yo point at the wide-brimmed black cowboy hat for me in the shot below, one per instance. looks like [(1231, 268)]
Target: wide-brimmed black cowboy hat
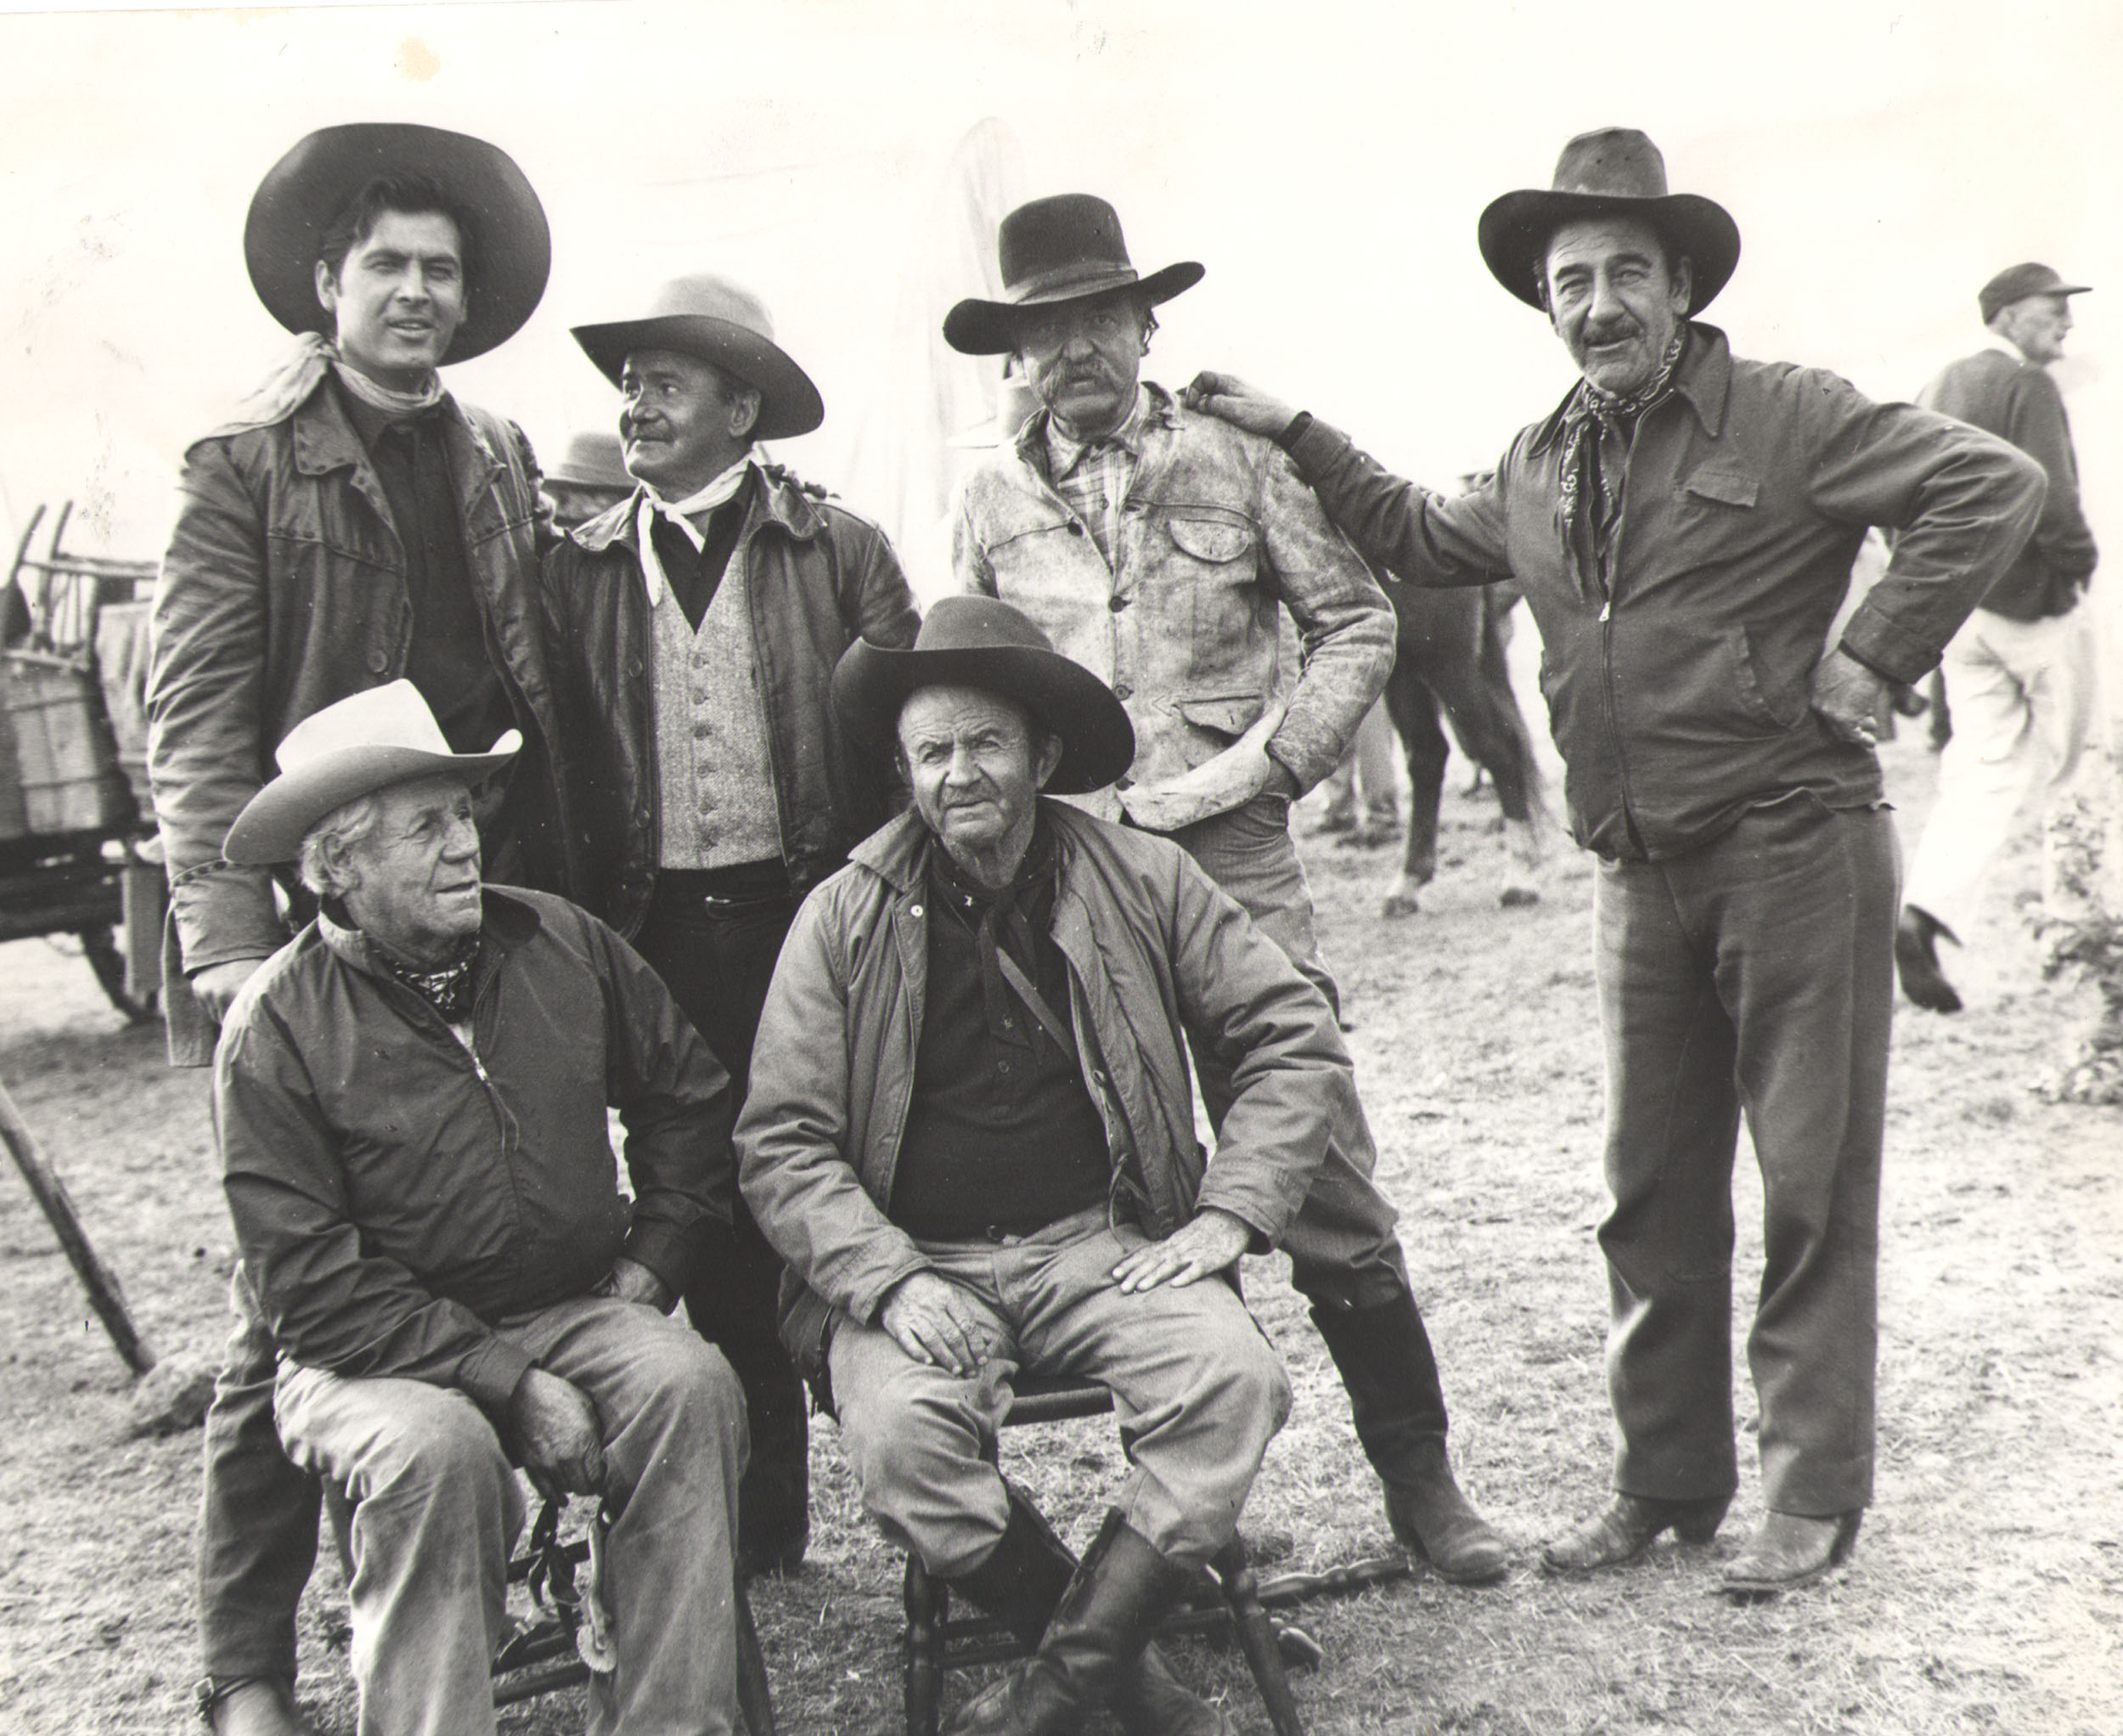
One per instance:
[(724, 324), (983, 642), (303, 194), (1061, 249), (1617, 172)]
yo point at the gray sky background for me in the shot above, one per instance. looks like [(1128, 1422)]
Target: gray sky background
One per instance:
[(1327, 160)]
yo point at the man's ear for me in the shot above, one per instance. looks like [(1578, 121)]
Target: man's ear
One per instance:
[(1050, 752), (1684, 284), (744, 413), (327, 288)]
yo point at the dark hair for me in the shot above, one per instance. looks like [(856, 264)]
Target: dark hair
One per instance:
[(410, 195)]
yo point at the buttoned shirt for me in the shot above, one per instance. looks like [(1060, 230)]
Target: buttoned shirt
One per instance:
[(1093, 475)]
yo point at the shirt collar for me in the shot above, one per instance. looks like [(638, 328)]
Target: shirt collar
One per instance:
[(2004, 345), (371, 421), (1703, 380), (1064, 455)]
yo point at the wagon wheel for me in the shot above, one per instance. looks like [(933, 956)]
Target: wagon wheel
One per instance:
[(100, 947)]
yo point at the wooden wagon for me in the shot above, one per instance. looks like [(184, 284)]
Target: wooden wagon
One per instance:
[(78, 850)]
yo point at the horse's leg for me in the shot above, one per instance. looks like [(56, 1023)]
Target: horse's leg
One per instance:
[(1478, 698), (1414, 709)]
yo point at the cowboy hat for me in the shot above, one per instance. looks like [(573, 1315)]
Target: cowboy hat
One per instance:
[(984, 643), (724, 324), (1061, 249), (509, 248), (593, 461), (1617, 172), (365, 742), (2017, 282)]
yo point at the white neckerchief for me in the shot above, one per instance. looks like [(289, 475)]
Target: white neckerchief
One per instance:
[(391, 402), (720, 490)]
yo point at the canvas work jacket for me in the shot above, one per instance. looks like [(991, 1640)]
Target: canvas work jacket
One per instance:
[(1218, 537), (2018, 401), (1151, 946), (1678, 677), (818, 577), (396, 1194), (284, 591)]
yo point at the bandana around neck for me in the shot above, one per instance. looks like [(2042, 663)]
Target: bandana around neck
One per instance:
[(1589, 415), (447, 989), (282, 392), (719, 491)]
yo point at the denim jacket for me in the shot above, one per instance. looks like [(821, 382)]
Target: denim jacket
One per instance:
[(1217, 531)]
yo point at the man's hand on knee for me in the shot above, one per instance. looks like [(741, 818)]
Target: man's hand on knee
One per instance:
[(629, 1281), (557, 1434), (930, 1318), (1199, 1248)]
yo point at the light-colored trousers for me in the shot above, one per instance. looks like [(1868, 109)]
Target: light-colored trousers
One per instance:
[(1196, 1390), (2021, 694), (1367, 768), (439, 1507)]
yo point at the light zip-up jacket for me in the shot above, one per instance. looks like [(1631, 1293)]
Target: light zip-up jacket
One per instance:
[(1152, 945)]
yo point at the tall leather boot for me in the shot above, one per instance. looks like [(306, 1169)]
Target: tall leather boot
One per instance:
[(1020, 1585), (1385, 1361), (1119, 1592)]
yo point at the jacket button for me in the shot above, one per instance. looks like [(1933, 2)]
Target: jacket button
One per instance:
[(914, 909), (1117, 604), (378, 662), (1121, 690), (1075, 529)]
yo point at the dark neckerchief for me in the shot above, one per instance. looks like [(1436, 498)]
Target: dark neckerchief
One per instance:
[(447, 989), (1000, 918), (1589, 415)]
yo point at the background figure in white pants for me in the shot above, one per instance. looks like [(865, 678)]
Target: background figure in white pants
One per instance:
[(2019, 675)]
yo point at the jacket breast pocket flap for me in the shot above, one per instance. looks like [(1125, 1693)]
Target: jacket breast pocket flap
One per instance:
[(1214, 539), (1229, 716), (1726, 488)]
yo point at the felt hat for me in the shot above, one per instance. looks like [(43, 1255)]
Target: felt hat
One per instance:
[(2017, 282), (592, 460), (362, 743), (1061, 249), (723, 322), (970, 641), (303, 194), (1617, 172)]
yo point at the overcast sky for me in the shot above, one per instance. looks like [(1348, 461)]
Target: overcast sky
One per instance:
[(1326, 161)]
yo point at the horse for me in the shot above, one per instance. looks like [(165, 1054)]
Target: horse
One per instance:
[(1449, 658)]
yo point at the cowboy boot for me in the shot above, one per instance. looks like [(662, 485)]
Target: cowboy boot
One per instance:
[(1119, 1592), (1627, 1526), (1790, 1550), (1020, 1585), (1384, 1357), (258, 1705)]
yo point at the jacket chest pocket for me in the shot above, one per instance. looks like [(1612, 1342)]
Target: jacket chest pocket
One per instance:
[(1209, 566), (1714, 514)]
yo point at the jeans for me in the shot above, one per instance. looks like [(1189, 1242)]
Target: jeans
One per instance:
[(437, 1506), (1753, 974), (1197, 1392)]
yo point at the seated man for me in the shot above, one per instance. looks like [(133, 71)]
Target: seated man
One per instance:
[(410, 1101), (971, 1134)]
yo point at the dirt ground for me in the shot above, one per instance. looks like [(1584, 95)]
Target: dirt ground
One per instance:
[(1986, 1593)]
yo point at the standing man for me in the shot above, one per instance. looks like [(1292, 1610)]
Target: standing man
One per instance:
[(694, 629), (1157, 548), (2019, 675), (354, 524), (1720, 762)]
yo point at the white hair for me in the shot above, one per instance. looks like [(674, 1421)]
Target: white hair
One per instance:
[(325, 844)]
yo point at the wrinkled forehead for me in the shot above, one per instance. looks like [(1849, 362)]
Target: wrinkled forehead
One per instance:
[(946, 711), (420, 800), (1589, 243)]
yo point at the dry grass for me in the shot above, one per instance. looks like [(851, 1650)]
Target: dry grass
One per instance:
[(1986, 1594)]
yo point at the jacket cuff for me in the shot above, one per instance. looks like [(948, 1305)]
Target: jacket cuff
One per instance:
[(864, 1304), (1315, 448), (1260, 1209), (222, 912), (490, 1375), (666, 1251), (1874, 639)]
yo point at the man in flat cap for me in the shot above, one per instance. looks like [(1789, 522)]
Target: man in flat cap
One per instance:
[(1683, 525), (409, 1100), (971, 1133), (693, 628), (354, 524), (2019, 675), (1159, 548)]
